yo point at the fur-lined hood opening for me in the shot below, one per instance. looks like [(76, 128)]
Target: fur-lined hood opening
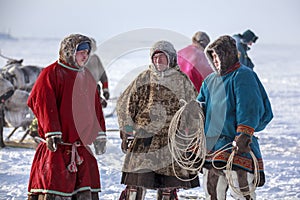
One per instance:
[(168, 49), (225, 48), (68, 48)]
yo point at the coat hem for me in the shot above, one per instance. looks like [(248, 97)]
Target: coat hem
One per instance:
[(46, 191)]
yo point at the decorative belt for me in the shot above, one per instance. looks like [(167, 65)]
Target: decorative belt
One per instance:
[(76, 159)]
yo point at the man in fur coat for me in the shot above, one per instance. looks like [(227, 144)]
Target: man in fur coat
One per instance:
[(145, 110), (67, 105), (236, 106)]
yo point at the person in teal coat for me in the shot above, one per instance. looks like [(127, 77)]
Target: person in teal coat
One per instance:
[(236, 105), (243, 43)]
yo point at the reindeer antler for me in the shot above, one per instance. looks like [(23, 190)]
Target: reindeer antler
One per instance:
[(10, 60)]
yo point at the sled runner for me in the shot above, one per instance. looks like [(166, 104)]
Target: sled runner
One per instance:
[(30, 144)]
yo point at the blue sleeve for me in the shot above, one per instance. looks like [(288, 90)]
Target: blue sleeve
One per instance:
[(249, 101), (268, 114)]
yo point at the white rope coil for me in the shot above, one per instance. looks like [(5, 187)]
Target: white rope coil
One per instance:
[(187, 147), (228, 171), (256, 180)]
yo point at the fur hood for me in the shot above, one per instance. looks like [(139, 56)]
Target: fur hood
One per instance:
[(68, 48), (225, 48), (93, 45), (168, 49)]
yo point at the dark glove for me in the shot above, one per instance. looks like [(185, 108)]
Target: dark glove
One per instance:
[(52, 142), (103, 102), (127, 139), (144, 136), (243, 142), (100, 144), (106, 93)]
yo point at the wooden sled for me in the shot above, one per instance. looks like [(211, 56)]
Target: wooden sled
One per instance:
[(22, 143), (29, 144)]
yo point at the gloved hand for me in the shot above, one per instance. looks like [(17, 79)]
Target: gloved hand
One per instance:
[(144, 136), (103, 102), (52, 142), (106, 93), (192, 110), (243, 142), (127, 139), (100, 144)]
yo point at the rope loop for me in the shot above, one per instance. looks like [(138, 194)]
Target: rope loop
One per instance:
[(230, 179), (187, 144)]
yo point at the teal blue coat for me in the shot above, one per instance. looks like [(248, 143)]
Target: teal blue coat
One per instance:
[(237, 98)]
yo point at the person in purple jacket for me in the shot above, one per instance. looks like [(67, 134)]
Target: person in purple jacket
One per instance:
[(192, 60)]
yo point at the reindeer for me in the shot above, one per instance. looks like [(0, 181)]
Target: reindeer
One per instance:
[(16, 81), (22, 77)]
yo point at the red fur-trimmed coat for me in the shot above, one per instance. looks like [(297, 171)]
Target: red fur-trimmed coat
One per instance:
[(64, 99)]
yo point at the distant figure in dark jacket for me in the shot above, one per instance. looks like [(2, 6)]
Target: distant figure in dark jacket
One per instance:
[(243, 41)]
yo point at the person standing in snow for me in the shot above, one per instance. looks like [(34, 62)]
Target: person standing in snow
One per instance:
[(67, 106), (236, 105), (95, 66), (145, 110), (243, 43), (192, 60)]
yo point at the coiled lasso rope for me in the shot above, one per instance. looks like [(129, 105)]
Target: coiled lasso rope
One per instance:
[(256, 180), (188, 149), (228, 168)]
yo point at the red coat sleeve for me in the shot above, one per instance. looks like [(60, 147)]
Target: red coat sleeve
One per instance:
[(42, 101)]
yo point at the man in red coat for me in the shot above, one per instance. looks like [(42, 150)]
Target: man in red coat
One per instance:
[(67, 105)]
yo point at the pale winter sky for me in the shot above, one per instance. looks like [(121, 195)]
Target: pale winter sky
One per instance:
[(273, 21)]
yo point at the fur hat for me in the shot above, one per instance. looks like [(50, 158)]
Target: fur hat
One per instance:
[(68, 48), (201, 38), (168, 49), (225, 48), (249, 36)]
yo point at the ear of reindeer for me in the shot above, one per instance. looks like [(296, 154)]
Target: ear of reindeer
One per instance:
[(13, 61)]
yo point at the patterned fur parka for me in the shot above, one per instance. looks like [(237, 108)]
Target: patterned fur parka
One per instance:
[(148, 106)]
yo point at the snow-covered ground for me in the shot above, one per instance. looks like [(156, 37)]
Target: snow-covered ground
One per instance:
[(277, 67)]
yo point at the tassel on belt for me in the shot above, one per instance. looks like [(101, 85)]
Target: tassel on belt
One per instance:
[(76, 159)]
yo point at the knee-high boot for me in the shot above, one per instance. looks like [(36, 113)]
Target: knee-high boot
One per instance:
[(167, 194), (133, 193)]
